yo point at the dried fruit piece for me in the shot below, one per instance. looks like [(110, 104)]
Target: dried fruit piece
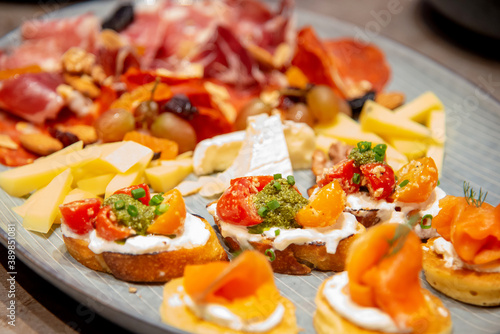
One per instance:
[(390, 100)]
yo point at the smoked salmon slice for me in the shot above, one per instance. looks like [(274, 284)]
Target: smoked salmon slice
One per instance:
[(223, 282), (473, 231), (383, 268)]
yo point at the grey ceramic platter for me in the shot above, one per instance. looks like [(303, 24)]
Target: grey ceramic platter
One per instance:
[(472, 153)]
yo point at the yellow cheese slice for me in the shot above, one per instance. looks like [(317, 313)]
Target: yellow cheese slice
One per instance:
[(68, 149), (419, 108), (323, 143), (43, 211), (23, 180), (436, 122), (412, 149), (120, 157), (133, 176), (169, 174), (347, 130), (384, 122), (97, 184)]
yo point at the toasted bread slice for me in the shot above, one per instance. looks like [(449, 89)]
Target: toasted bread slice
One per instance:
[(467, 286), (326, 320), (155, 267), (301, 259), (177, 314)]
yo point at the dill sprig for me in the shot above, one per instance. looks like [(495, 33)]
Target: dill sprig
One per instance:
[(398, 240), (470, 195)]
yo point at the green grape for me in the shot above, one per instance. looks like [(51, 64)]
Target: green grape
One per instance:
[(172, 127), (299, 112), (324, 104), (113, 124), (254, 107)]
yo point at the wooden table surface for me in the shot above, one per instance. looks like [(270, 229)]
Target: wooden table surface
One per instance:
[(42, 308)]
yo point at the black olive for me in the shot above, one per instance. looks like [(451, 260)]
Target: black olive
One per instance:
[(120, 19), (357, 104), (66, 138), (181, 106)]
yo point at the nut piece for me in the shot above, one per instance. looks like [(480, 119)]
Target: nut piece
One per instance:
[(390, 100), (85, 133), (83, 84), (319, 162), (77, 60), (40, 143), (7, 142)]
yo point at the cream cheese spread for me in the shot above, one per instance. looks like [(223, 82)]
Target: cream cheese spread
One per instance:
[(195, 234), (365, 317), (222, 316), (452, 259), (344, 227)]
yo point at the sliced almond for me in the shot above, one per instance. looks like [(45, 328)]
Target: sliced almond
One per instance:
[(40, 143), (7, 142), (390, 100)]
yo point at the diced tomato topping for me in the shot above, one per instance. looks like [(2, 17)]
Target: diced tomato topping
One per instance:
[(80, 215), (128, 191), (380, 179), (236, 205), (107, 227), (343, 172)]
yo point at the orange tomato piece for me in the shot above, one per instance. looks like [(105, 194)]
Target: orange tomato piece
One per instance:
[(420, 176), (385, 274), (171, 221), (168, 148), (324, 208), (223, 282)]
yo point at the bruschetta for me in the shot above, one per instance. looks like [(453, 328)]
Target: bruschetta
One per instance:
[(137, 237), (269, 214)]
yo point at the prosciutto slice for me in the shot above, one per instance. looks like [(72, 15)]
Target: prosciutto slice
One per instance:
[(45, 41), (32, 97)]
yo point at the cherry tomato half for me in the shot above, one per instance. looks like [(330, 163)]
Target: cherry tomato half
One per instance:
[(133, 189), (80, 215), (107, 227), (380, 179), (345, 173), (236, 205)]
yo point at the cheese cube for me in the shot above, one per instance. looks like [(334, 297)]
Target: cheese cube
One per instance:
[(412, 149), (301, 143), (384, 122), (43, 211), (218, 153), (323, 143), (169, 174), (23, 180), (418, 109)]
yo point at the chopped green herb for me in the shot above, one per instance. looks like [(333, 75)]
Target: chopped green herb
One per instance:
[(270, 253), (277, 185), (132, 210), (364, 146), (470, 195), (121, 242), (120, 205), (138, 193), (291, 180), (262, 211), (423, 223), (277, 176), (162, 208), (156, 199), (439, 183), (274, 204), (356, 178), (277, 232), (404, 183)]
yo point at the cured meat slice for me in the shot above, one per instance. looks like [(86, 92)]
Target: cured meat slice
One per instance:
[(47, 40), (32, 96), (225, 59)]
